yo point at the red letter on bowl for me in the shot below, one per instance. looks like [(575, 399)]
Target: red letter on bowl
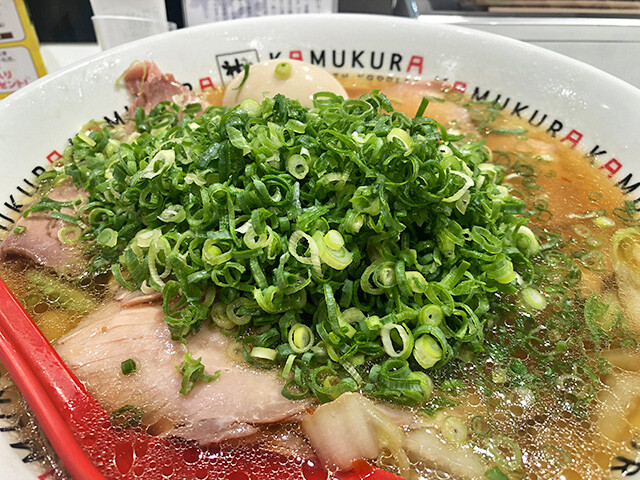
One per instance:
[(612, 166), (459, 86), (205, 82), (574, 137), (53, 156), (416, 61)]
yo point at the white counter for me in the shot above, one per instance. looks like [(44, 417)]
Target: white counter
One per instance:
[(610, 44)]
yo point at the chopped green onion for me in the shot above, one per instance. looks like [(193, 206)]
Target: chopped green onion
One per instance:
[(505, 452), (527, 242), (286, 370), (509, 131), (556, 456), (437, 404), (352, 315), (253, 240), (427, 351), (625, 245), (424, 103), (480, 426), (126, 416), (249, 105), (431, 315), (353, 221), (264, 353), (499, 375), (393, 380), (69, 234), (501, 270), (128, 366), (220, 318), (454, 430), (244, 78), (300, 338), (107, 238), (495, 474), (333, 240), (173, 213), (604, 222), (192, 371), (401, 135), (234, 351), (270, 299), (339, 258), (404, 337), (85, 138), (416, 282), (313, 258), (351, 370), (348, 245), (19, 229), (468, 183), (297, 166), (533, 298), (582, 230), (283, 70), (237, 306), (213, 255), (593, 242), (595, 196)]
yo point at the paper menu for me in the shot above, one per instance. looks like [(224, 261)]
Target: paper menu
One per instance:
[(197, 12), (20, 59), (10, 27)]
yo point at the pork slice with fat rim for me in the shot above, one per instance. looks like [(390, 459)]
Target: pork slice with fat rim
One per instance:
[(39, 242), (229, 407), (150, 86)]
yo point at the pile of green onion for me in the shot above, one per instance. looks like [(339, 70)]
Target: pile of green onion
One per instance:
[(348, 245)]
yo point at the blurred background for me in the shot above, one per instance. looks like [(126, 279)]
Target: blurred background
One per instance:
[(604, 33), (70, 20)]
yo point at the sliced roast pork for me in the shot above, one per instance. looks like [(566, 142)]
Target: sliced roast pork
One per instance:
[(39, 242), (229, 407), (149, 86)]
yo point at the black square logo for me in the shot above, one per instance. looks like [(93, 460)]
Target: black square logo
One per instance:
[(232, 64)]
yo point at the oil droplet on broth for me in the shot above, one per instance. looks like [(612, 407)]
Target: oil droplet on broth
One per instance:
[(313, 469), (191, 455)]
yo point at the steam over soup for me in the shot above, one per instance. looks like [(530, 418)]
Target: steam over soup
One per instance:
[(405, 276)]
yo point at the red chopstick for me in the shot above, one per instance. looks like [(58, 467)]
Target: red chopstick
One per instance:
[(38, 371)]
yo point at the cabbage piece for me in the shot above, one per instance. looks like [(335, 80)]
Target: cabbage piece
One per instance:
[(617, 404), (425, 446), (352, 428), (625, 253)]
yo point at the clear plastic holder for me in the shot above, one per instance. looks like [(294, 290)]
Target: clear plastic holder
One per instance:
[(149, 9), (114, 30)]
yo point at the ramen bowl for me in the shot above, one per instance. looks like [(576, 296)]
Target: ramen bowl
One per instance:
[(578, 105)]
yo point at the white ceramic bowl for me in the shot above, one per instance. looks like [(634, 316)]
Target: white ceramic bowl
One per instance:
[(577, 102)]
